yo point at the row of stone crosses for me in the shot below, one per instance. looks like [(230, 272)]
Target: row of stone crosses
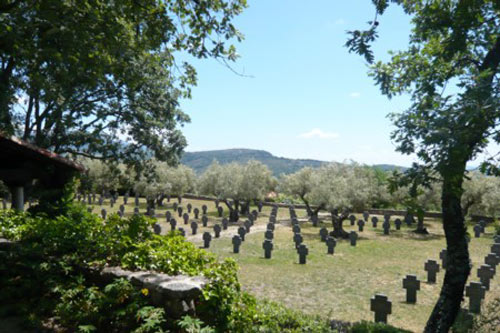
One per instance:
[(475, 291)]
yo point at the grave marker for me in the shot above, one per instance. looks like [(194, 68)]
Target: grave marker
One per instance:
[(267, 245), (220, 210), (492, 260), (173, 223), (217, 230), (431, 267), (477, 231), (204, 209), (103, 213), (297, 238), (182, 232), (207, 237), (374, 221), (168, 216), (361, 225), (352, 218), (331, 243), (382, 307), (353, 237), (136, 210), (296, 229), (224, 224), (194, 227), (366, 215), (387, 226), (196, 212), (270, 226), (398, 223), (185, 217), (323, 232), (485, 273), (242, 231), (204, 220), (303, 252), (236, 243), (179, 211), (314, 219), (259, 206), (495, 248), (475, 291), (189, 207), (269, 234), (411, 284), (157, 228)]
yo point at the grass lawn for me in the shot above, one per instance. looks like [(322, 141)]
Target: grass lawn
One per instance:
[(338, 286)]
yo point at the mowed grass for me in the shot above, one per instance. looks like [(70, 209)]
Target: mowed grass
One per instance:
[(339, 286)]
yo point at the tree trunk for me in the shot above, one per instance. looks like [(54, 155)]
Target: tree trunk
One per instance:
[(234, 215), (338, 229), (245, 207), (448, 305)]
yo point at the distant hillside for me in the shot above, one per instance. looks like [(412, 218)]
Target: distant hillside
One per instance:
[(199, 161)]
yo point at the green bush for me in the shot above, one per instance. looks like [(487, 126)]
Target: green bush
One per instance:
[(369, 327)]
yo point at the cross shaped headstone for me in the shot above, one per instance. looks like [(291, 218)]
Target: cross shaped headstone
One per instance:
[(477, 231), (296, 229), (361, 225), (387, 226), (270, 226), (168, 216), (366, 215), (179, 198), (207, 237), (475, 291), (443, 255), (431, 267), (353, 237), (189, 207), (269, 234), (204, 209), (217, 230), (196, 212), (267, 245), (297, 238), (303, 252), (175, 206), (224, 223), (323, 232), (411, 284), (236, 243), (157, 228), (103, 214), (382, 307), (331, 243), (387, 217), (259, 206), (398, 222), (185, 217), (352, 218), (492, 260), (173, 223), (194, 227), (314, 219), (179, 211), (247, 224), (182, 232), (409, 219), (495, 248), (374, 221), (204, 220), (136, 210), (485, 273), (220, 210), (242, 231)]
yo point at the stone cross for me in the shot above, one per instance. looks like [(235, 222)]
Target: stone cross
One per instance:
[(296, 229), (492, 260), (247, 224), (411, 284), (185, 217), (477, 231), (157, 228), (398, 223), (179, 211), (173, 223), (387, 226), (270, 226), (168, 216), (387, 217), (175, 206), (136, 200), (361, 225), (374, 221), (409, 219), (259, 206), (366, 215), (443, 255), (242, 231), (136, 210), (382, 307), (189, 207), (475, 291), (331, 243), (297, 238), (220, 210), (179, 198), (224, 224), (352, 218), (303, 252), (255, 214), (204, 209), (103, 214), (194, 227), (236, 243), (267, 245), (206, 239), (495, 248), (204, 220), (431, 267), (323, 232), (272, 218), (353, 237), (485, 273), (314, 219), (182, 232), (269, 234), (122, 209), (196, 212), (217, 230)]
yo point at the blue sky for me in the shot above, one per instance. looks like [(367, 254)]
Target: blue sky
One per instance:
[(308, 97)]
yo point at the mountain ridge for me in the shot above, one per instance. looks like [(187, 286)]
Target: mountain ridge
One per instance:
[(200, 160)]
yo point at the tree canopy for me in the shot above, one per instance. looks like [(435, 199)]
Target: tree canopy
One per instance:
[(82, 77)]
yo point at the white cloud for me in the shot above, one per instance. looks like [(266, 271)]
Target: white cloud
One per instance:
[(317, 133), (355, 94)]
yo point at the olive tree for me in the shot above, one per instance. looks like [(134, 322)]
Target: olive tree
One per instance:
[(99, 176), (481, 195), (300, 184), (236, 184)]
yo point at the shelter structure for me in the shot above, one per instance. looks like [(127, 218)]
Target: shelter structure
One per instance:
[(23, 165)]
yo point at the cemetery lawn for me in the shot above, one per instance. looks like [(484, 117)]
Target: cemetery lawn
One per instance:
[(340, 286)]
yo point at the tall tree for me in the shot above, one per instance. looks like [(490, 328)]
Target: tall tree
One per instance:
[(81, 77), (450, 69)]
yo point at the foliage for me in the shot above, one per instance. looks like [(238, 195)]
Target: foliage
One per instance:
[(80, 76), (481, 195), (193, 325), (369, 327), (99, 176)]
